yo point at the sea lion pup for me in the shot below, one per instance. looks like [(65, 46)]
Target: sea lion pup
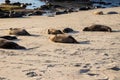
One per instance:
[(54, 31), (18, 31), (98, 13), (98, 27), (67, 30), (5, 44), (9, 37), (62, 38)]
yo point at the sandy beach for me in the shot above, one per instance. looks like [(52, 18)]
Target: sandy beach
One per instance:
[(92, 59)]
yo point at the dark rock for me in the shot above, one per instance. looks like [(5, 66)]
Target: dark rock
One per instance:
[(31, 74), (115, 68), (92, 74), (14, 14), (37, 13), (61, 12), (85, 8), (84, 70)]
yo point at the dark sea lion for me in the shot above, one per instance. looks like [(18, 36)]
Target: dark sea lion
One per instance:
[(5, 44), (67, 30), (9, 37), (112, 12), (18, 31), (61, 38), (54, 31), (98, 27)]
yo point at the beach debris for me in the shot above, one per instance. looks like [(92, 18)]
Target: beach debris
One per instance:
[(62, 38), (6, 44), (98, 27), (98, 13), (18, 31), (54, 31)]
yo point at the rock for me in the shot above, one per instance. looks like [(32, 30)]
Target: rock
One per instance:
[(84, 8), (115, 68), (98, 27), (37, 13), (84, 70), (31, 74), (4, 14), (14, 14)]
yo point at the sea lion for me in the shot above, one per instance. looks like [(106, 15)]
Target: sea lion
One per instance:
[(67, 30), (98, 13), (54, 31), (112, 12), (18, 31), (98, 27), (5, 44), (62, 38), (9, 37)]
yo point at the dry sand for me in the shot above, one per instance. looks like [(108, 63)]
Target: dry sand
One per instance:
[(92, 59)]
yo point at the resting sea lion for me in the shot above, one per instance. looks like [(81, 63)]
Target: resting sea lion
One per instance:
[(18, 31), (98, 13), (9, 37), (67, 30), (61, 38), (54, 31), (97, 27), (5, 44), (112, 12)]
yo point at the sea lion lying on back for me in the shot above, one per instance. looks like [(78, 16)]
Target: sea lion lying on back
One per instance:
[(62, 38), (18, 31), (5, 44), (54, 31), (97, 27)]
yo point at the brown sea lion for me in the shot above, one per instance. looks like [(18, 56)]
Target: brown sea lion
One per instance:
[(54, 31), (67, 30), (98, 13), (98, 27), (5, 44), (18, 31), (62, 38)]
